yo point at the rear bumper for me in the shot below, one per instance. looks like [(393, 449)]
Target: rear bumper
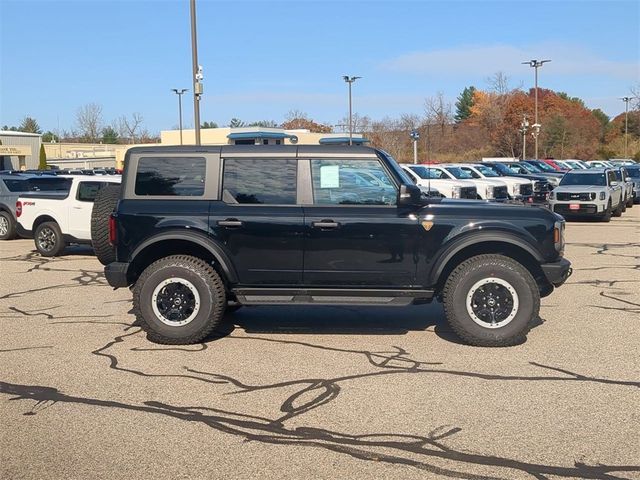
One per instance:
[(557, 272), (116, 274)]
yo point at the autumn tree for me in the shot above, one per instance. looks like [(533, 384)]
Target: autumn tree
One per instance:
[(296, 119)]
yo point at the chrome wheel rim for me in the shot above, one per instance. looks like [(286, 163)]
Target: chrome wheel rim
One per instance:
[(4, 226), (492, 302), (46, 239), (175, 302)]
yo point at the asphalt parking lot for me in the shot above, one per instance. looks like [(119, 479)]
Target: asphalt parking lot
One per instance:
[(295, 393)]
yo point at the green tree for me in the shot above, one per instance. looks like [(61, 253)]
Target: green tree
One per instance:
[(209, 125), (565, 96), (236, 123), (464, 104), (29, 125), (109, 135), (264, 124), (49, 137), (43, 159)]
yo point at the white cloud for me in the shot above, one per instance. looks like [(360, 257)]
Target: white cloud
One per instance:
[(485, 60)]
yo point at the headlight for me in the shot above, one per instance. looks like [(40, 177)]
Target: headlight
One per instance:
[(537, 186), (489, 191), (603, 195), (455, 193), (552, 195)]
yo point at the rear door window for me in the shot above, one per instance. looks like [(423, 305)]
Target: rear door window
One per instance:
[(171, 176), (87, 191), (260, 181)]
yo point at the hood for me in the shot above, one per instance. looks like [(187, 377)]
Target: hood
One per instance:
[(445, 182), (579, 188)]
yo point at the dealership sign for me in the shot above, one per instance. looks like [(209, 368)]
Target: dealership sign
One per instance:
[(19, 151)]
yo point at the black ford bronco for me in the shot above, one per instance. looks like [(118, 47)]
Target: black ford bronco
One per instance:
[(199, 229)]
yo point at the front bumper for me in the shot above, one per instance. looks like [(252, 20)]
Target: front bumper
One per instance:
[(588, 209), (557, 272), (116, 274)]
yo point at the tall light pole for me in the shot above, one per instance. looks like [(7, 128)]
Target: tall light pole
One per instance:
[(626, 101), (350, 80), (180, 92), (535, 64), (197, 72), (415, 136), (523, 128)]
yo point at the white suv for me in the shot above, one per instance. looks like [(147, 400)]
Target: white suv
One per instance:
[(437, 179), (56, 219)]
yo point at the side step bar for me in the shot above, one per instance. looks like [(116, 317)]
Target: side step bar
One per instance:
[(323, 296)]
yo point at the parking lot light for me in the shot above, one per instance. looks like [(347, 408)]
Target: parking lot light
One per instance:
[(535, 64), (350, 80)]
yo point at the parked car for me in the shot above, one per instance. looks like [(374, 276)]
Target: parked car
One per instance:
[(594, 193), (552, 177), (266, 226), (599, 164), (55, 219), (12, 186), (435, 179), (621, 162), (634, 174), (487, 188), (541, 186), (519, 189), (627, 186), (555, 165), (577, 164)]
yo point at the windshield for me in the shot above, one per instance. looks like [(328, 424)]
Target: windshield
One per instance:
[(499, 168), (634, 171), (424, 172), (543, 166), (486, 171), (458, 172), (618, 174), (531, 168), (599, 179)]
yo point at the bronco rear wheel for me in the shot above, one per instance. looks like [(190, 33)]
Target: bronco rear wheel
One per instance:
[(491, 301), (179, 300)]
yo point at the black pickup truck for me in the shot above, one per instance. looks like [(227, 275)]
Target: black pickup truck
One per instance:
[(199, 229)]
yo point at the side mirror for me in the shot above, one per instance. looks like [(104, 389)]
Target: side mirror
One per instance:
[(409, 195), (628, 179)]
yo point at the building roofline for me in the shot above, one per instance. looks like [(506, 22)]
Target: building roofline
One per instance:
[(11, 133)]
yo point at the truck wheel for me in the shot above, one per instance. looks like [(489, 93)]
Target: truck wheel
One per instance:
[(618, 211), (630, 202), (48, 239), (103, 206), (7, 226), (607, 213), (491, 301), (179, 300)]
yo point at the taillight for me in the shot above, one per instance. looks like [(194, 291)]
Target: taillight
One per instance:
[(18, 209), (113, 235)]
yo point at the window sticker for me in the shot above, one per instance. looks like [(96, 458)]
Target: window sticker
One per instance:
[(330, 176)]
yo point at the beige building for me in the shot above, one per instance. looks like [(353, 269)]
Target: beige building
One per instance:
[(257, 136)]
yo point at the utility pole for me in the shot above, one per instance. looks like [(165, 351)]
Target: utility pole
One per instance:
[(535, 64), (626, 101), (523, 128), (197, 72), (180, 92), (415, 136), (350, 80)]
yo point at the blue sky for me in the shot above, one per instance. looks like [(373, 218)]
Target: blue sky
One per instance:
[(262, 59)]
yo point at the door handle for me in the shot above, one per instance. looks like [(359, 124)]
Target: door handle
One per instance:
[(77, 208), (325, 224), (230, 223)]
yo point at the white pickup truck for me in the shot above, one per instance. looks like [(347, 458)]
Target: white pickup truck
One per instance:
[(55, 219)]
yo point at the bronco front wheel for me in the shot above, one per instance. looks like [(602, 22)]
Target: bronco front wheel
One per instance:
[(491, 301), (179, 300)]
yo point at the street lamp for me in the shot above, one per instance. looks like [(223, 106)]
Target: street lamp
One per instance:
[(536, 64), (626, 101), (180, 92), (415, 136), (197, 72), (523, 129), (350, 80)]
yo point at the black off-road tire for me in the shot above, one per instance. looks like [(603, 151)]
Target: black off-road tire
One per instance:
[(619, 209), (104, 204), (630, 202), (481, 267), (607, 213), (7, 222), (54, 245), (210, 289)]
